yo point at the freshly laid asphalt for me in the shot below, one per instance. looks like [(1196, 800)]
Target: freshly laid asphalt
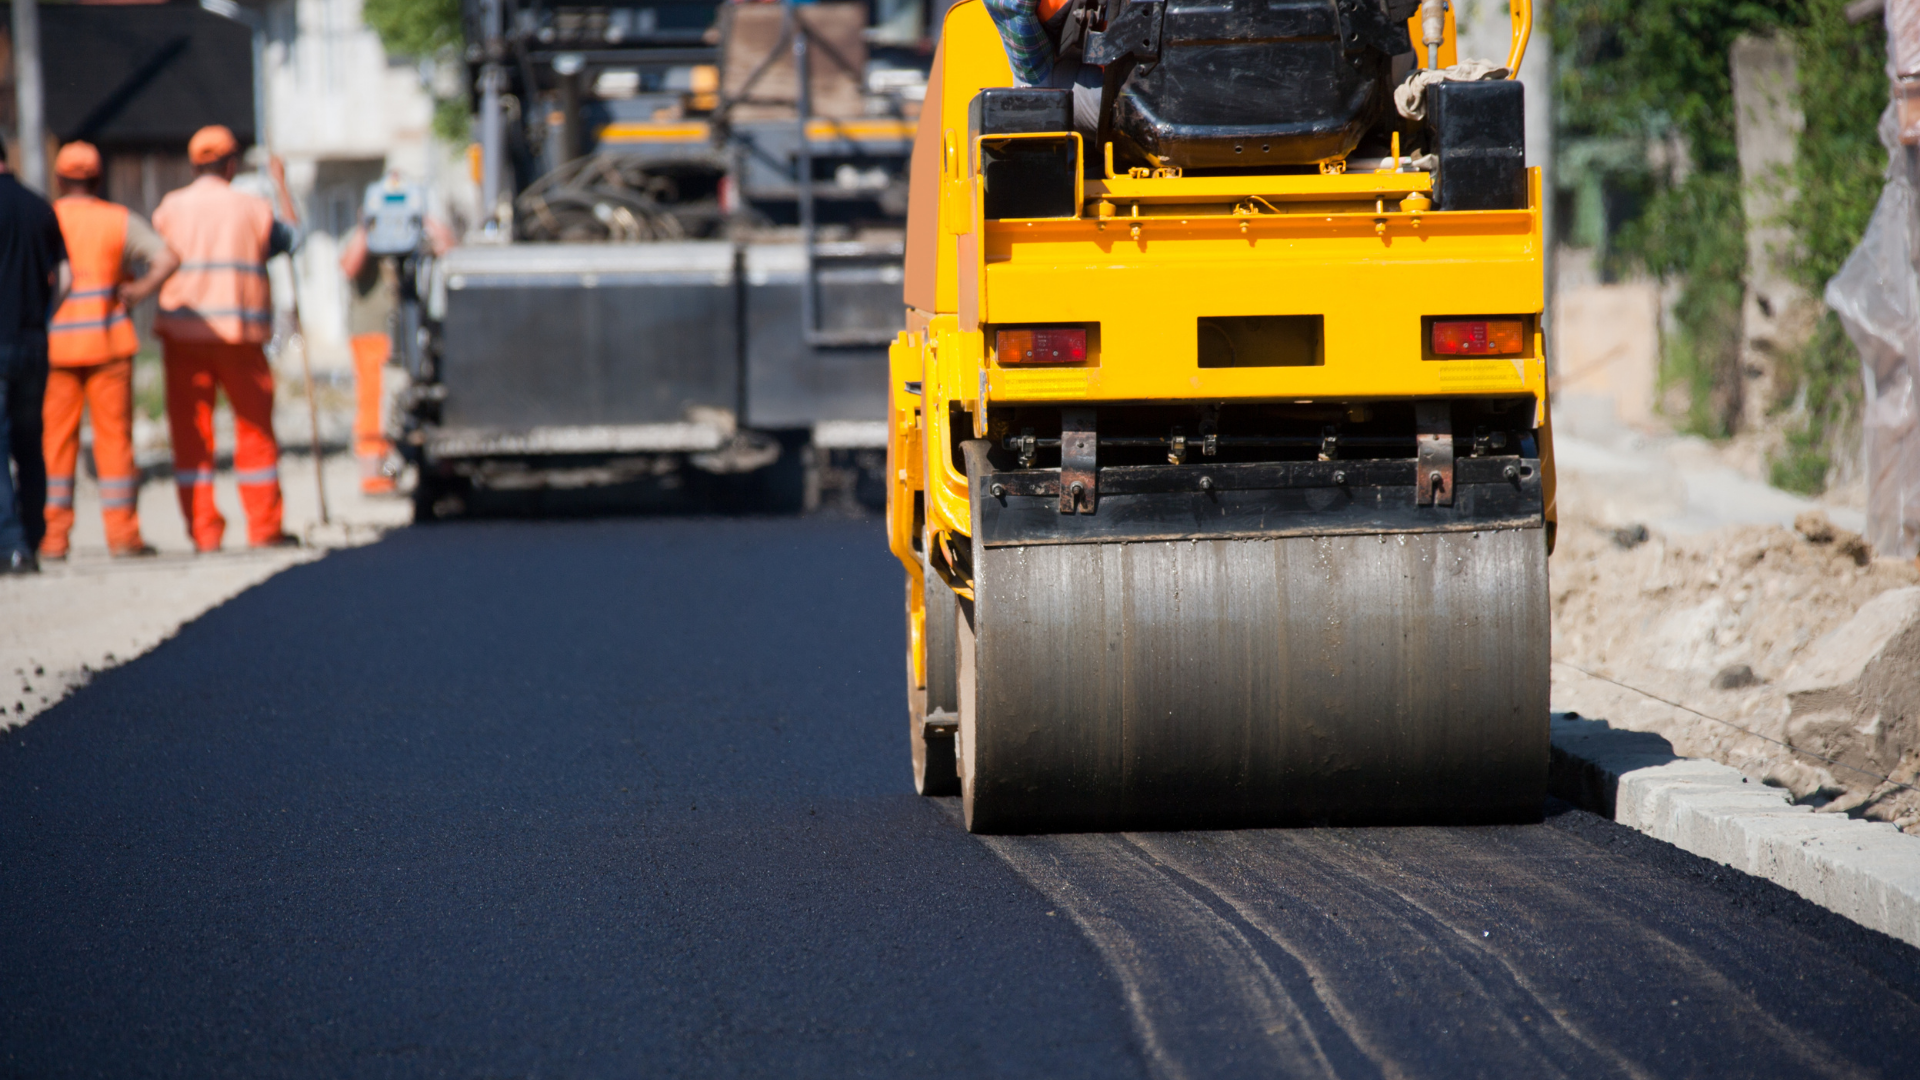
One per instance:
[(632, 798)]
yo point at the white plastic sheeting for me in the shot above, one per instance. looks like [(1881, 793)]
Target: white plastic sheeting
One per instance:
[(1877, 296)]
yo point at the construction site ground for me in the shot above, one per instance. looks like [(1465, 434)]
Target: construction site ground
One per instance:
[(1680, 575)]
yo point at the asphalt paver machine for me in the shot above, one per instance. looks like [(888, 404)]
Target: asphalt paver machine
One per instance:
[(691, 267), (1219, 455)]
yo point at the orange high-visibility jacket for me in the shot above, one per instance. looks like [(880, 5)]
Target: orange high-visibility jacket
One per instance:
[(220, 291), (92, 327)]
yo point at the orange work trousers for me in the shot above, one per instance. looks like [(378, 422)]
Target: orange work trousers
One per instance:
[(370, 446), (194, 370), (105, 391)]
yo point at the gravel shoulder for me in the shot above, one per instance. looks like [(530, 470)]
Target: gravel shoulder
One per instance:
[(79, 617)]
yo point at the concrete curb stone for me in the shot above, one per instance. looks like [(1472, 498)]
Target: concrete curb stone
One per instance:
[(1867, 871)]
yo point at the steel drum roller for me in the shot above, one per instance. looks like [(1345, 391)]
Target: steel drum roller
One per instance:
[(1190, 684)]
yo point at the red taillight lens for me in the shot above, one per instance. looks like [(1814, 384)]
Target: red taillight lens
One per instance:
[(1479, 337), (1040, 346)]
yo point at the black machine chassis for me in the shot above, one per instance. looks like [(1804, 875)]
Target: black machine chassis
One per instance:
[(1255, 500)]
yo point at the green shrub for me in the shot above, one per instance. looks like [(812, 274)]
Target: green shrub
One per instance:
[(1838, 171), (1656, 72)]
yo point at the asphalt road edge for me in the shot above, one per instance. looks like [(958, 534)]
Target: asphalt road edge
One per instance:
[(1866, 871)]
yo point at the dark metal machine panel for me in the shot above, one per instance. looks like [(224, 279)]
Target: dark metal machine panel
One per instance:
[(793, 384), (572, 335), (1303, 498), (846, 166)]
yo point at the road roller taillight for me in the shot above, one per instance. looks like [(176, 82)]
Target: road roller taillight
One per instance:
[(1479, 337), (1041, 345)]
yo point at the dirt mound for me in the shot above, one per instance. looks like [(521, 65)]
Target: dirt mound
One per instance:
[(1718, 622)]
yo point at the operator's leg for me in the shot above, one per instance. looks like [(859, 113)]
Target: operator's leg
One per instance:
[(190, 390), (110, 404), (248, 381), (60, 442)]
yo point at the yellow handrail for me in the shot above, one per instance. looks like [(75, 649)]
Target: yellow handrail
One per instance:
[(1522, 30)]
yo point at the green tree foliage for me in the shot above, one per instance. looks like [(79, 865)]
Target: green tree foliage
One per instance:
[(418, 28), (1840, 163), (1693, 231), (453, 120), (424, 29), (1655, 73), (1838, 171), (1648, 68)]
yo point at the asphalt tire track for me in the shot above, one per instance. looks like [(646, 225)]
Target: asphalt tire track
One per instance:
[(1269, 953), (1435, 891), (1153, 932)]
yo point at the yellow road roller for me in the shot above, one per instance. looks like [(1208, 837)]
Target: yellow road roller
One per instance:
[(1220, 459)]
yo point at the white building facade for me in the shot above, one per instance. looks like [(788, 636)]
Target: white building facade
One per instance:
[(341, 113)]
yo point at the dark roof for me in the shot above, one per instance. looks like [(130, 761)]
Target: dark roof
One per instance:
[(147, 74)]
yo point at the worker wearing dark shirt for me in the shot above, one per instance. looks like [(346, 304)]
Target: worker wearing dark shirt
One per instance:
[(33, 282)]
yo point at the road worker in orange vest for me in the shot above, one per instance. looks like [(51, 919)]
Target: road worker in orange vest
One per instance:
[(394, 216), (90, 344), (215, 315), (372, 297)]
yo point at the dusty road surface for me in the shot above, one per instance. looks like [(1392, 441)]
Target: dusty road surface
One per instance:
[(88, 612), (631, 798)]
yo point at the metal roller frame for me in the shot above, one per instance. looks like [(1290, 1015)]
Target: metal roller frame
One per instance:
[(1395, 674), (938, 718)]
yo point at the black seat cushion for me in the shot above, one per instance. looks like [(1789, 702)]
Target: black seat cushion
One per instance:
[(1249, 83)]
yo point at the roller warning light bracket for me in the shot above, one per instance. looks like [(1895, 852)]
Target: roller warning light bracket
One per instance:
[(1079, 461), (1433, 481)]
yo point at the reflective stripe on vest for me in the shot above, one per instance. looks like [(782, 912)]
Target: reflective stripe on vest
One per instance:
[(238, 267), (220, 291), (92, 326)]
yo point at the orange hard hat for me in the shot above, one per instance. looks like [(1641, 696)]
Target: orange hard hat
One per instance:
[(210, 144), (77, 161)]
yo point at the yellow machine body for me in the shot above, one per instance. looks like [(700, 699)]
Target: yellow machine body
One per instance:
[(1141, 261)]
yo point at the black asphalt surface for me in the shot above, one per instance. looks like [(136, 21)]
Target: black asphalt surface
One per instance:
[(632, 798)]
